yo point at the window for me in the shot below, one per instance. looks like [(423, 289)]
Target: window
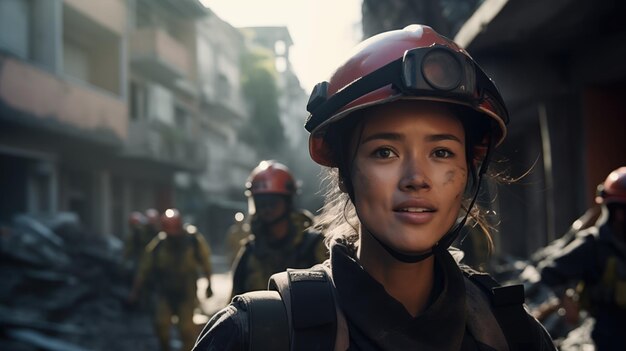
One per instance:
[(182, 119), (137, 101), (223, 87), (15, 28)]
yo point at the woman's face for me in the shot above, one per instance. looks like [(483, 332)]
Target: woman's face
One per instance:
[(409, 173)]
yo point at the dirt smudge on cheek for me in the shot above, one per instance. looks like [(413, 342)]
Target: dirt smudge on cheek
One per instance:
[(451, 177)]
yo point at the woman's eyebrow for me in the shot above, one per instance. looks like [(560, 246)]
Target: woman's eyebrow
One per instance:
[(383, 136), (440, 137)]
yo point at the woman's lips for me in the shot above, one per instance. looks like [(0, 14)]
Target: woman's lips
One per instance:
[(414, 211), (414, 217)]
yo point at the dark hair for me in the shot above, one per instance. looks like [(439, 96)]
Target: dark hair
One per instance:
[(339, 221)]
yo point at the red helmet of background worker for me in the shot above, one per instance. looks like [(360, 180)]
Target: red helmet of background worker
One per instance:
[(153, 217), (269, 178), (613, 190), (136, 219), (171, 222)]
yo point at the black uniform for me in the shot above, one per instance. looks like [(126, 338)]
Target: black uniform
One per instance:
[(458, 318)]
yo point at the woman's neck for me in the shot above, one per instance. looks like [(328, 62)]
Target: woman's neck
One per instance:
[(409, 283)]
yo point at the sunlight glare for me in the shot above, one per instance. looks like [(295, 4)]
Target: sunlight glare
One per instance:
[(323, 31)]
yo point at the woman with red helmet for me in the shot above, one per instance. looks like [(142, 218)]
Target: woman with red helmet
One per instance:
[(595, 264), (405, 127)]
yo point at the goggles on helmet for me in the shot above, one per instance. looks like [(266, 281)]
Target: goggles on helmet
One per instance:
[(435, 71), (268, 200)]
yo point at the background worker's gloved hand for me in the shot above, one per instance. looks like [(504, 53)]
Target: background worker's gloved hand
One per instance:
[(209, 291)]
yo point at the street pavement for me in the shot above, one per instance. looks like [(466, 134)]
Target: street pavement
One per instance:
[(221, 283)]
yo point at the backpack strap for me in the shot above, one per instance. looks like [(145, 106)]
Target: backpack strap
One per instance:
[(310, 304), (267, 320), (508, 309), (306, 301)]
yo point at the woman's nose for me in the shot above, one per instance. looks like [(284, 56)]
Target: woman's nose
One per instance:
[(413, 177)]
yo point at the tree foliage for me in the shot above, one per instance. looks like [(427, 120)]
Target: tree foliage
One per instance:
[(264, 131)]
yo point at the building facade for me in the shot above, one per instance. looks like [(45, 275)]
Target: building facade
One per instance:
[(63, 110), (110, 107), (224, 112), (560, 70), (292, 102)]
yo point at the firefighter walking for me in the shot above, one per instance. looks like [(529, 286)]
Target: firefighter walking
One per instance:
[(171, 263), (278, 235)]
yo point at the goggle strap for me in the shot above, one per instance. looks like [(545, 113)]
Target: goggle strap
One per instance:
[(481, 171), (388, 74)]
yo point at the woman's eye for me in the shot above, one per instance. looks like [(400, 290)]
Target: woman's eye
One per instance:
[(442, 153), (383, 153)]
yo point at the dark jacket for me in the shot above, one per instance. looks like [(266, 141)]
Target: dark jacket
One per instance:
[(458, 318), (258, 260)]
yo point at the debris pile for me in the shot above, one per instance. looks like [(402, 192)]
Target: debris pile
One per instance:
[(64, 289), (544, 304)]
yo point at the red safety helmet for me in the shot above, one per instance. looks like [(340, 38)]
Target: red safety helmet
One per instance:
[(270, 177), (412, 63), (153, 217), (136, 219), (613, 190), (171, 222)]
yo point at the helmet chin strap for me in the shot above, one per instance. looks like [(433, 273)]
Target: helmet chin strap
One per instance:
[(450, 236)]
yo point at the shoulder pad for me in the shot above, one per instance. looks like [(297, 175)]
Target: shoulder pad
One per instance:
[(269, 326), (302, 218)]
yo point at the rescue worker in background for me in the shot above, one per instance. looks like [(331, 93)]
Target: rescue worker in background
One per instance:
[(172, 261), (596, 262), (137, 239), (278, 236), (153, 222)]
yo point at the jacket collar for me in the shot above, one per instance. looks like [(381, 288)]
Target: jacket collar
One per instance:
[(378, 320)]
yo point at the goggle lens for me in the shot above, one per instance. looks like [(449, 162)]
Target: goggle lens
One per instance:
[(441, 70), (267, 200)]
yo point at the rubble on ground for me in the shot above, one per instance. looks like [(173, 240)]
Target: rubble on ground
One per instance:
[(64, 289)]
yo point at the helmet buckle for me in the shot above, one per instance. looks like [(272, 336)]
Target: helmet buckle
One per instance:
[(318, 96)]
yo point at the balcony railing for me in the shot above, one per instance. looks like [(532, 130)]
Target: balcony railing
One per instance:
[(39, 95), (156, 54)]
